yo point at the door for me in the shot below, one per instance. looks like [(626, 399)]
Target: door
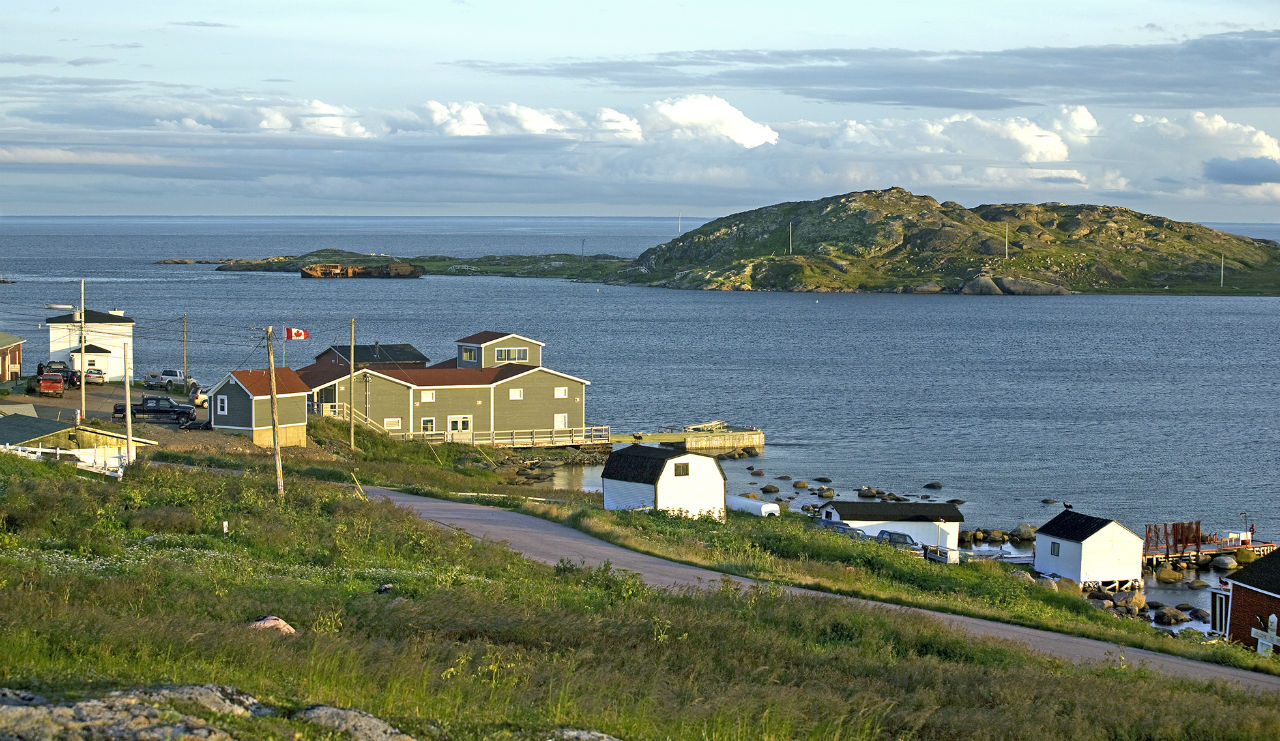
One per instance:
[(460, 429), (561, 422)]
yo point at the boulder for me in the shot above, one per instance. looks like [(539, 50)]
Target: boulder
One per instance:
[(751, 495), (1186, 607), (1022, 576), (271, 622), (1170, 616), (866, 493), (1244, 556), (1048, 501), (1130, 598), (1047, 583), (827, 494), (799, 485), (966, 537), (1024, 531), (784, 478), (1101, 604), (1155, 605), (933, 485), (996, 536), (822, 479), (1198, 584), (982, 285), (1224, 562), (757, 473), (1026, 287), (1166, 575), (769, 489), (956, 502), (751, 451), (1069, 586), (1198, 613), (356, 724)]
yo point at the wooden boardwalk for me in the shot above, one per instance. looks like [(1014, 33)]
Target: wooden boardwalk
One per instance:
[(1191, 555), (708, 436)]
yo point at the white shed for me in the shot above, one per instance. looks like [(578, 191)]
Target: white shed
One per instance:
[(1097, 553), (675, 481), (931, 523)]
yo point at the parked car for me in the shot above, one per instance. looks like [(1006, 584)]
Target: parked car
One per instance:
[(95, 375), (899, 540), (199, 396), (70, 378), (50, 384)]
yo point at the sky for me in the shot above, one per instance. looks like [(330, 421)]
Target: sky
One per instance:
[(562, 107)]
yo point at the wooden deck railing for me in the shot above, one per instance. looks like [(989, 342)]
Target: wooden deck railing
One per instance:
[(534, 438)]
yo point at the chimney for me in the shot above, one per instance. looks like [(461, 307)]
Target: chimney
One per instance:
[(116, 312)]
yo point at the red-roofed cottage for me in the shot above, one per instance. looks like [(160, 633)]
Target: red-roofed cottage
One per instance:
[(495, 392), (242, 401)]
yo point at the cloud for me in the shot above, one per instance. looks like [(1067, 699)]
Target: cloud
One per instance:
[(201, 24), (89, 61), (26, 59), (1221, 70), (128, 45), (57, 156), (704, 117), (1245, 171)]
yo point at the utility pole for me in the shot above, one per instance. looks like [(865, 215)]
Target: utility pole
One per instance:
[(351, 385), (275, 412), (789, 242), (185, 375), (83, 409), (128, 408), (1006, 241), (284, 343), (1222, 270)]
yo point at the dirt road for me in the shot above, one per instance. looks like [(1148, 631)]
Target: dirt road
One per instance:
[(549, 542)]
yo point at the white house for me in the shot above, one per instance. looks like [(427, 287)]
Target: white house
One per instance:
[(1097, 553), (933, 523), (105, 334), (675, 481)]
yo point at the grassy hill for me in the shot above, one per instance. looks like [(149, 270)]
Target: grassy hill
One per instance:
[(133, 584), (893, 240)]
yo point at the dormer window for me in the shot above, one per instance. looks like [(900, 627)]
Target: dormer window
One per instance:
[(467, 354), (512, 354)]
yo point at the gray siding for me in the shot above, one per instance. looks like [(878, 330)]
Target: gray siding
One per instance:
[(537, 410), (385, 399), (453, 402), (239, 410)]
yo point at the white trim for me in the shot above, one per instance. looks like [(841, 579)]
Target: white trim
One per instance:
[(515, 394), (1235, 584), (220, 404), (556, 393), (503, 337), (508, 350), (544, 368), (264, 427), (423, 396)]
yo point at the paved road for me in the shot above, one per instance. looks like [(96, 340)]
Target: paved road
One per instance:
[(548, 542)]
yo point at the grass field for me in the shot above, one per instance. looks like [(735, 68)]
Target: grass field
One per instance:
[(111, 585)]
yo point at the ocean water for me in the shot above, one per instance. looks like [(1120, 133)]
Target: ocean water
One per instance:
[(1145, 409)]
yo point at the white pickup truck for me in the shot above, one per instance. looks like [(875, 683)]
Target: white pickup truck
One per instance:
[(169, 380)]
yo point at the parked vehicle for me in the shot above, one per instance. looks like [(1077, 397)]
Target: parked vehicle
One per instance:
[(158, 408), (70, 378), (168, 379), (899, 540), (50, 384), (199, 396), (95, 375)]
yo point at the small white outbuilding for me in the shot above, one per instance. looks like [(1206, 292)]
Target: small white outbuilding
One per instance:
[(751, 506), (1097, 553), (928, 523), (675, 481)]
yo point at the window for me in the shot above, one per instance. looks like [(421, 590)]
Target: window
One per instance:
[(1054, 547), (91, 363), (427, 396), (513, 354), (516, 394), (467, 354), (682, 469), (561, 422), (428, 424), (222, 405), (562, 392), (390, 423)]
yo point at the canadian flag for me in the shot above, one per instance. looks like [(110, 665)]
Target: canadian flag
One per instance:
[(295, 334)]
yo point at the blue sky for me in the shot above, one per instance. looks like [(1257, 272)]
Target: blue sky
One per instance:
[(560, 107)]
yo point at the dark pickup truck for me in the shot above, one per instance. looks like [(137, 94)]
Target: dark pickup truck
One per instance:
[(70, 377), (158, 408)]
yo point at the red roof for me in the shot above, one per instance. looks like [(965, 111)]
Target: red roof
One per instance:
[(436, 376), (258, 383)]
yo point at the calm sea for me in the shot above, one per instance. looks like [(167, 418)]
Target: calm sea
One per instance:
[(1144, 408)]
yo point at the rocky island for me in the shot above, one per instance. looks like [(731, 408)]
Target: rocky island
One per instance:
[(895, 241)]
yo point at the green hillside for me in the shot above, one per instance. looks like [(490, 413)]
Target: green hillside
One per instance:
[(894, 240)]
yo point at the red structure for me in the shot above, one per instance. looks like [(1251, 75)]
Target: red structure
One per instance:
[(1253, 604)]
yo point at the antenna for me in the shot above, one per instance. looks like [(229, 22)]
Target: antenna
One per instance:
[(1006, 241)]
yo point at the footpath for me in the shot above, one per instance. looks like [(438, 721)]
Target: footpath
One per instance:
[(549, 542)]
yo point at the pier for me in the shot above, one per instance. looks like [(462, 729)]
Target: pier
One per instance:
[(1183, 543), (714, 435)]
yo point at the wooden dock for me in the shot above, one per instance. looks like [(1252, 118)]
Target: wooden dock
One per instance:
[(706, 436), (1207, 551)]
